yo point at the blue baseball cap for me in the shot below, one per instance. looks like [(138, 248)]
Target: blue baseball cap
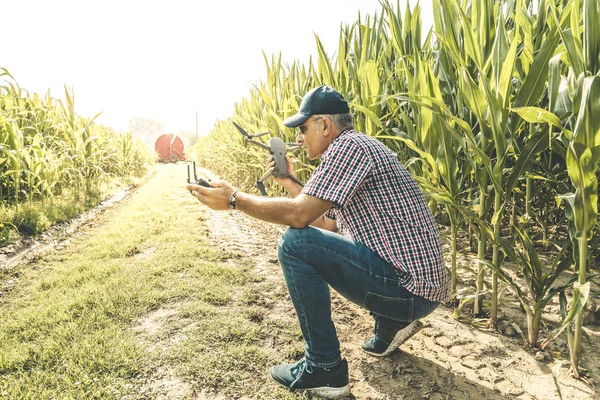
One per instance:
[(321, 100)]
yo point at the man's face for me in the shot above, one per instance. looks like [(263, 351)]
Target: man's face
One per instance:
[(312, 137)]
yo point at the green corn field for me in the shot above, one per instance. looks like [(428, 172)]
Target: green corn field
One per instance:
[(47, 152), (495, 111)]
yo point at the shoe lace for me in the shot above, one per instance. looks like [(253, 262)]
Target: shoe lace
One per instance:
[(299, 369)]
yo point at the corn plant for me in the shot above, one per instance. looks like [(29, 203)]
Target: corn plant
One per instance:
[(584, 148), (46, 150), (542, 281), (485, 75)]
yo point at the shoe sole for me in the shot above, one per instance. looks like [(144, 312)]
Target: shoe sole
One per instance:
[(401, 336), (326, 392)]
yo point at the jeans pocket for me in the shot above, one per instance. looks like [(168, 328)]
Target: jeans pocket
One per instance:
[(400, 309)]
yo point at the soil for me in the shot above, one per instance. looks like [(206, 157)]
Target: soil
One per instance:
[(448, 359)]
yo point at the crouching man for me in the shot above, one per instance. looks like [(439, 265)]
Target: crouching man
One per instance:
[(386, 257)]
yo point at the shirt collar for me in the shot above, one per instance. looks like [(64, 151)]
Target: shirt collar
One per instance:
[(326, 152)]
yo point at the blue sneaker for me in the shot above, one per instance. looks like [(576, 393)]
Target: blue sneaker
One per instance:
[(328, 383)]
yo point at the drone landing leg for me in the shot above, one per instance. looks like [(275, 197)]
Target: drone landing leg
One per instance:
[(260, 183)]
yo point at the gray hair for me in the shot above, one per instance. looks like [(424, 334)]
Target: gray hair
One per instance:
[(342, 121)]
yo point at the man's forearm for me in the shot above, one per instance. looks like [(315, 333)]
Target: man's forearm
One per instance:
[(279, 210), (293, 189)]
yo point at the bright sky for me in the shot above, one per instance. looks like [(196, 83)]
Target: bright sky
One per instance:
[(164, 60)]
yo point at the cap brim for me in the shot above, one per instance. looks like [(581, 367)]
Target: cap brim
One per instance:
[(296, 120)]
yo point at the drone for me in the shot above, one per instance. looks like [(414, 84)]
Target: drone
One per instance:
[(278, 149)]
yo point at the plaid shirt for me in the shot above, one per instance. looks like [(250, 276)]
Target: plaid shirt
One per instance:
[(378, 203)]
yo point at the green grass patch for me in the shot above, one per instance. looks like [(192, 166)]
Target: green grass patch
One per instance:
[(32, 218)]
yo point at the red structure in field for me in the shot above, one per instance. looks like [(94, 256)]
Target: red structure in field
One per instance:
[(169, 148)]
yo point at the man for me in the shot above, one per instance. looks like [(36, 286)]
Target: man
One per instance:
[(387, 259)]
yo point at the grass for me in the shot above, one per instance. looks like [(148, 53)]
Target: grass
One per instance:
[(71, 323), (34, 218)]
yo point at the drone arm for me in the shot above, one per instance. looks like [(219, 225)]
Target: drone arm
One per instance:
[(295, 180), (258, 134), (261, 187), (264, 146), (265, 176)]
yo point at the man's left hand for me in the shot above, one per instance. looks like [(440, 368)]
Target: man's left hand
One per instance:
[(215, 197)]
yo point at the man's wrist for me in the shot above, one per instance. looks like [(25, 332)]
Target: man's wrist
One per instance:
[(233, 200)]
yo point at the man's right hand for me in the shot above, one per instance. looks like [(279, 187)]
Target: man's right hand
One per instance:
[(292, 187)]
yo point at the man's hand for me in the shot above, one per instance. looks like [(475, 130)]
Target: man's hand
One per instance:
[(215, 197), (292, 187)]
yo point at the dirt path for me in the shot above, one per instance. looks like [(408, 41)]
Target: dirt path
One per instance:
[(447, 360)]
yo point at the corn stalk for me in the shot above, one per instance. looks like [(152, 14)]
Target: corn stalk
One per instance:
[(541, 280), (583, 152)]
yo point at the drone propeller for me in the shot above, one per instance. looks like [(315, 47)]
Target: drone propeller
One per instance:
[(246, 134), (239, 128)]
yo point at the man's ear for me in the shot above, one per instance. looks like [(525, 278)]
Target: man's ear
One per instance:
[(326, 124)]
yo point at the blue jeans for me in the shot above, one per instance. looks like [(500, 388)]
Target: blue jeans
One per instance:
[(313, 259)]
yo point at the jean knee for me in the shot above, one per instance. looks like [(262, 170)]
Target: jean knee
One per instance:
[(284, 247), (288, 237), (289, 241), (295, 251)]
